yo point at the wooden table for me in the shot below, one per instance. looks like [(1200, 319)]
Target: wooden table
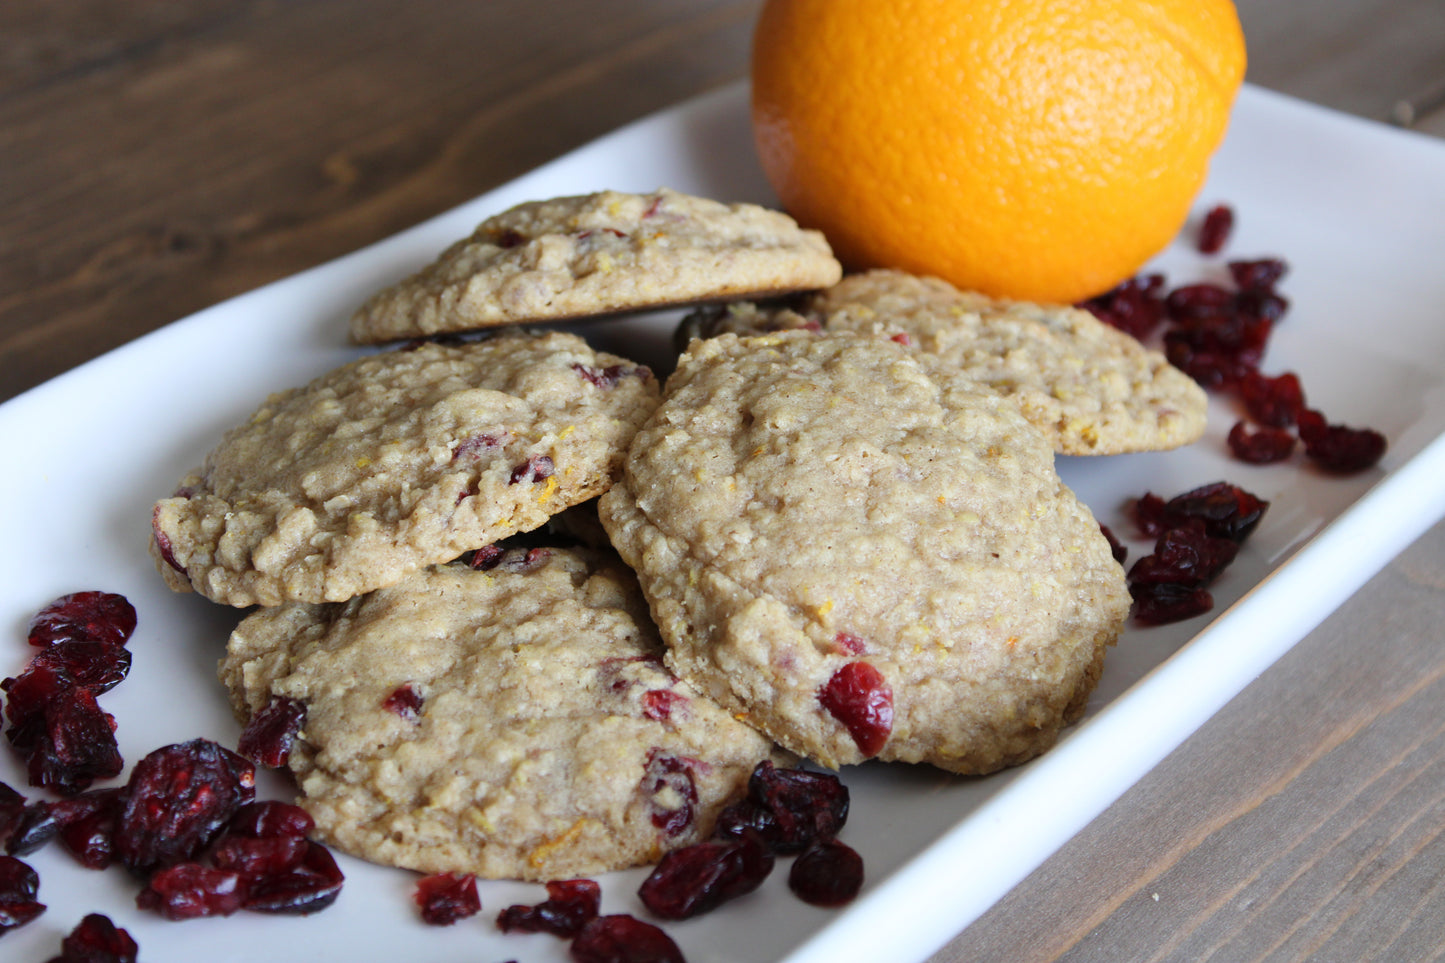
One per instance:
[(157, 157)]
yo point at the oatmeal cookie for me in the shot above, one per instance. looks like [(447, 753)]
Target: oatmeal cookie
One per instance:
[(596, 254), (1093, 389), (516, 723), (396, 461), (865, 552)]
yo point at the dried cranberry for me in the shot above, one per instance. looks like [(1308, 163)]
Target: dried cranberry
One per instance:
[(623, 939), (163, 542), (789, 808), (188, 891), (179, 798), (860, 698), (12, 806), (1185, 555), (534, 469), (1116, 547), (263, 820), (96, 939), (259, 855), (828, 873), (84, 617), (1337, 448), (1135, 306), (695, 879), (70, 745), (1158, 603), (486, 558), (19, 887), (1215, 230), (405, 701), (1200, 302), (845, 643), (1260, 446), (310, 886), (1227, 511), (659, 704), (570, 905), (268, 737), (98, 666), (473, 446), (87, 825), (444, 898), (609, 376), (34, 827), (1273, 401), (1258, 275), (668, 783), (1218, 353)]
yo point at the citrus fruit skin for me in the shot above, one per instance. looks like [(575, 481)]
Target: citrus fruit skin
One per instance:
[(1035, 149)]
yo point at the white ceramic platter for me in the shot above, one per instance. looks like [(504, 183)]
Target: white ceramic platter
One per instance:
[(1358, 210)]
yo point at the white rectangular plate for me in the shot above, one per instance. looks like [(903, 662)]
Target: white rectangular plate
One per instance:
[(1355, 208)]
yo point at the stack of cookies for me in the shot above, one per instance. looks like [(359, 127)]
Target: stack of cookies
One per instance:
[(836, 532)]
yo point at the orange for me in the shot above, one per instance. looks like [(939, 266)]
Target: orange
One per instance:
[(1036, 149)]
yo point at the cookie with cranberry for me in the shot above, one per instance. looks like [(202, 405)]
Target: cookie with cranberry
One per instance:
[(516, 722), (396, 461), (596, 254), (1092, 388), (865, 552)]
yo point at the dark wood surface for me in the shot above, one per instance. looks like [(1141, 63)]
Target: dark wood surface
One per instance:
[(157, 157)]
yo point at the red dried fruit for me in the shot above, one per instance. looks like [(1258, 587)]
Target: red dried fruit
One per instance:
[(1185, 555), (846, 643), (1200, 302), (1220, 352), (570, 905), (486, 558), (12, 806), (96, 939), (668, 783), (264, 820), (609, 376), (1337, 448), (19, 888), (509, 237), (1257, 275), (69, 744), (163, 542), (84, 617), (179, 799), (698, 878), (860, 698), (87, 824), (444, 898), (187, 891), (1260, 446), (1160, 603), (1227, 511), (405, 701), (309, 887), (1273, 401), (623, 939), (1116, 547), (268, 737), (1135, 306), (789, 808), (474, 446), (659, 704), (98, 666), (259, 855), (534, 469), (828, 873), (1214, 232)]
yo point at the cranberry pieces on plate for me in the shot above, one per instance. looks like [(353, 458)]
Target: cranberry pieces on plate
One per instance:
[(444, 898), (569, 906)]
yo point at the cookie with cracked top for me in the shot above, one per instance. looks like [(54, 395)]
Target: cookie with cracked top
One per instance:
[(599, 254)]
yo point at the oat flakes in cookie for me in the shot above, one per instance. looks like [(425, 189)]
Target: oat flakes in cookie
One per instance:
[(396, 461), (596, 254), (513, 723), (865, 552), (1093, 389)]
